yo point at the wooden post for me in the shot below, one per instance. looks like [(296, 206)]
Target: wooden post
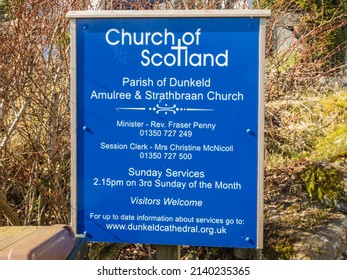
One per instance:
[(168, 252)]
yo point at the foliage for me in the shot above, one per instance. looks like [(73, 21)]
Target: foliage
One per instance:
[(323, 183), (3, 15), (281, 249), (34, 111), (305, 42), (314, 126), (320, 14), (333, 145)]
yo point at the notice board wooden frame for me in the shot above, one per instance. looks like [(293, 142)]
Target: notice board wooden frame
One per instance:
[(261, 14)]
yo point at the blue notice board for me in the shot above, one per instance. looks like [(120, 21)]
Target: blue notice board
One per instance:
[(168, 130)]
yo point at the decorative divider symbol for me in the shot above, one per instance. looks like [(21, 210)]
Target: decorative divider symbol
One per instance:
[(165, 109)]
